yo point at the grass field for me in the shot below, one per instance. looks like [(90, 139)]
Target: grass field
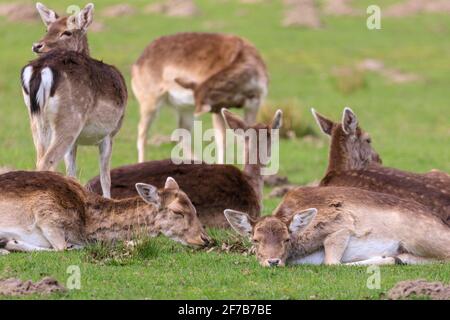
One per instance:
[(409, 124)]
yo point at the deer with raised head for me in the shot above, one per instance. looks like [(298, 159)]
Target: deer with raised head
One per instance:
[(354, 163), (72, 99), (198, 73), (337, 225), (212, 188), (46, 211)]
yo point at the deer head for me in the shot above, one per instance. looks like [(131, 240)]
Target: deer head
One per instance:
[(272, 236), (256, 136), (67, 33), (176, 217), (351, 147)]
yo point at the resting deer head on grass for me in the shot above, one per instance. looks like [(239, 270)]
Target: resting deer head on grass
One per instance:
[(270, 235), (351, 147)]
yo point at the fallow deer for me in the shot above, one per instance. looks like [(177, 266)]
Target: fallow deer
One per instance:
[(72, 99), (201, 71), (345, 226), (212, 188), (354, 163), (46, 211)]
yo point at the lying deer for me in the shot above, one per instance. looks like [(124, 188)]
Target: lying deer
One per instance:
[(354, 163), (345, 226), (72, 99), (46, 211), (212, 188), (205, 70)]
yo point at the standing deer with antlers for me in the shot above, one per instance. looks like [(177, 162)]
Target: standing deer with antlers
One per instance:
[(208, 71), (72, 99), (354, 163)]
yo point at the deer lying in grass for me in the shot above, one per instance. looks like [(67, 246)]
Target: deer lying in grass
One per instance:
[(46, 211), (345, 226), (211, 188), (205, 70), (354, 163), (72, 99)]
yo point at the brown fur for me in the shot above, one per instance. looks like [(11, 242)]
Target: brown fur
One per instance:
[(211, 188), (345, 215), (59, 205), (219, 70), (354, 163), (72, 99)]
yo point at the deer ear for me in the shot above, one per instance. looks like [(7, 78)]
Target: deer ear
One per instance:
[(85, 17), (324, 124), (233, 121), (240, 222), (301, 220), (277, 120), (149, 193), (171, 184), (48, 16), (349, 121)]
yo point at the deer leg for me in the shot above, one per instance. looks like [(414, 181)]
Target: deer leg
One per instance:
[(38, 140), (219, 133), (335, 245), (63, 137), (149, 107), (55, 236), (70, 161), (379, 261), (105, 149), (16, 245), (185, 121), (251, 110), (407, 258)]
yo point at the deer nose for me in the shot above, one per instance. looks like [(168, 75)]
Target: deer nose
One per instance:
[(37, 47), (273, 262)]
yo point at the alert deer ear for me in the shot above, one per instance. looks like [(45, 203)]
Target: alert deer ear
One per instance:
[(233, 121), (324, 124), (240, 222), (277, 121), (149, 193), (301, 220), (349, 121), (48, 16), (85, 17), (171, 184)]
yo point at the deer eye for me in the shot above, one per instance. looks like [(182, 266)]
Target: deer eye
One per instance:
[(287, 240), (369, 140), (178, 213), (255, 240), (66, 33)]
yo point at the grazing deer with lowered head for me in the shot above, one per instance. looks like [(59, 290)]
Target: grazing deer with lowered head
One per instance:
[(72, 99), (201, 71), (46, 211), (212, 188), (345, 226), (354, 163)]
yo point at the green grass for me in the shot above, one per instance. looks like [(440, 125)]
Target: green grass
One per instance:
[(409, 124)]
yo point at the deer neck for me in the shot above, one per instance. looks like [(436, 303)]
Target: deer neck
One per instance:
[(252, 168), (109, 220), (84, 47)]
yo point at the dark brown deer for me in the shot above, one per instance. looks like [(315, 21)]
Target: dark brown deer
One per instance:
[(205, 70), (212, 188), (341, 225), (354, 163), (72, 99), (46, 211)]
